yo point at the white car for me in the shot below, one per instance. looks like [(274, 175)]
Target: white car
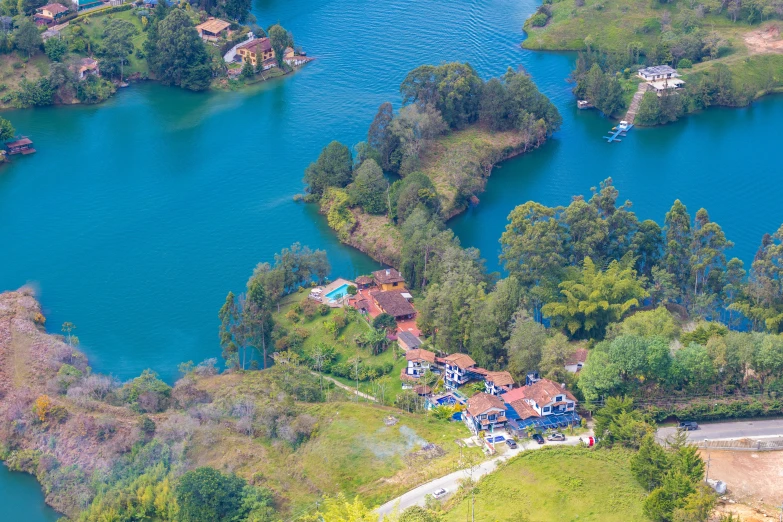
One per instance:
[(440, 493)]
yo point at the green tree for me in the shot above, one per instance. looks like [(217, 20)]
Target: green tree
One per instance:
[(369, 188), (679, 236), (588, 305), (206, 495), (7, 130), (179, 56), (332, 169), (385, 321), (118, 43), (55, 49), (649, 109), (380, 137), (26, 37), (279, 38), (650, 464), (454, 89)]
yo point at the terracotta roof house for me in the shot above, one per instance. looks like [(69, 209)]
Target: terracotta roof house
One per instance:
[(542, 404), (496, 383), (259, 48), (394, 304), (459, 369), (418, 362), (408, 341), (213, 29), (85, 67), (388, 279), (575, 363), (293, 59), (364, 281), (483, 412), (50, 13)]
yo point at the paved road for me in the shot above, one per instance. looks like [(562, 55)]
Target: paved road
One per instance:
[(731, 430), (451, 481)]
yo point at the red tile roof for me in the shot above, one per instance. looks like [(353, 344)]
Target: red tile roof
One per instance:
[(55, 9), (419, 354), (364, 280), (482, 402), (387, 276), (393, 303), (460, 360), (542, 393), (500, 378), (262, 44), (579, 356), (523, 409)]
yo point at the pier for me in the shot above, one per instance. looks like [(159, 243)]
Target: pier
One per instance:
[(620, 130)]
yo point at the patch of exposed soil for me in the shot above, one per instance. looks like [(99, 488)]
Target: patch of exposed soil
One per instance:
[(752, 478), (765, 41)]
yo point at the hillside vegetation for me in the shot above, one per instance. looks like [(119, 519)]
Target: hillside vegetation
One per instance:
[(558, 484), (93, 442), (729, 53)]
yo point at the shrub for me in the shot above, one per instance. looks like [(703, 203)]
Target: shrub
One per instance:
[(685, 63), (324, 309), (292, 316), (539, 20), (309, 308), (146, 393)]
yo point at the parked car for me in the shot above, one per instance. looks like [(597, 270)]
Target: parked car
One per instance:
[(688, 425), (511, 444), (538, 438), (440, 493), (556, 436)]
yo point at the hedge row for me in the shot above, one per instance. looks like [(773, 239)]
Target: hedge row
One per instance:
[(719, 409)]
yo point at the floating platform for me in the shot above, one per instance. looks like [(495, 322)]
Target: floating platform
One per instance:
[(620, 130)]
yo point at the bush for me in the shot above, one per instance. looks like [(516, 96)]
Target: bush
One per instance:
[(55, 49), (292, 316), (324, 309), (539, 20), (685, 64)]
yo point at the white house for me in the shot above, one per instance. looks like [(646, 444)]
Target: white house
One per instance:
[(658, 72), (540, 399), (484, 412), (496, 383), (458, 368), (419, 361), (577, 360)]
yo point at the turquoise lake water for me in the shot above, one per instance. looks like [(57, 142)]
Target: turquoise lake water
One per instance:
[(137, 216)]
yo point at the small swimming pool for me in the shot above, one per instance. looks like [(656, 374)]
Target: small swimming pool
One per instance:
[(338, 293)]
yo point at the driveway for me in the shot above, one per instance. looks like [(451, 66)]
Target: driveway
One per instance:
[(452, 481), (752, 429)]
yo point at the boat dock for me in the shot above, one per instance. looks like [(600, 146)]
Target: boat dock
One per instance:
[(23, 145), (621, 130)]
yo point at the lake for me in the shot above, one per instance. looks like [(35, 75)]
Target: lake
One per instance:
[(136, 217)]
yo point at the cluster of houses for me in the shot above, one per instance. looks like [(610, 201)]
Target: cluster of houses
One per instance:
[(539, 403), (254, 51)]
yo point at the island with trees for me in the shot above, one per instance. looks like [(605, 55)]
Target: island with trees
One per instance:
[(728, 53), (438, 149), (82, 56)]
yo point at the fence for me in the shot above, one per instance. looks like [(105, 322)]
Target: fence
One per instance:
[(742, 445)]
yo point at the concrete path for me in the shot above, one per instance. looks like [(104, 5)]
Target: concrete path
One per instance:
[(630, 116), (731, 430), (451, 482), (348, 388)]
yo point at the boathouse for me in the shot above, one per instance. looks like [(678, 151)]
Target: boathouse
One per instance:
[(21, 146)]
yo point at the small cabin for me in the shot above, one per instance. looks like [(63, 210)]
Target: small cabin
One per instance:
[(21, 146)]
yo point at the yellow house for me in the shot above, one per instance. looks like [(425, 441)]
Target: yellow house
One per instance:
[(388, 279), (260, 48)]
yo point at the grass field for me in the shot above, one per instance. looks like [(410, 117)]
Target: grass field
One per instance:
[(352, 450), (565, 484)]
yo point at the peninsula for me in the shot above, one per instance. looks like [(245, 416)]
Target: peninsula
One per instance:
[(727, 54), (81, 52)]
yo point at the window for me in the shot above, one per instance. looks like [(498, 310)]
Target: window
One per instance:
[(546, 409), (483, 416), (558, 398), (492, 417)]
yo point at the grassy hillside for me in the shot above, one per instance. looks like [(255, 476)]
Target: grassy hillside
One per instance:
[(272, 428), (564, 484)]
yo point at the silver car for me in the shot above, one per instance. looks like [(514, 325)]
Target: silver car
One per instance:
[(440, 493)]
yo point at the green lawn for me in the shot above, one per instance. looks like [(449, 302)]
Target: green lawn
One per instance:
[(565, 484), (94, 25), (345, 344)]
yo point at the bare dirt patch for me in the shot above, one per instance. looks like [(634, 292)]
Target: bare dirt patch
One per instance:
[(765, 41), (752, 478)]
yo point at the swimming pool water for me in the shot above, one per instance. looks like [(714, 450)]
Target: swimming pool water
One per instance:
[(337, 293)]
